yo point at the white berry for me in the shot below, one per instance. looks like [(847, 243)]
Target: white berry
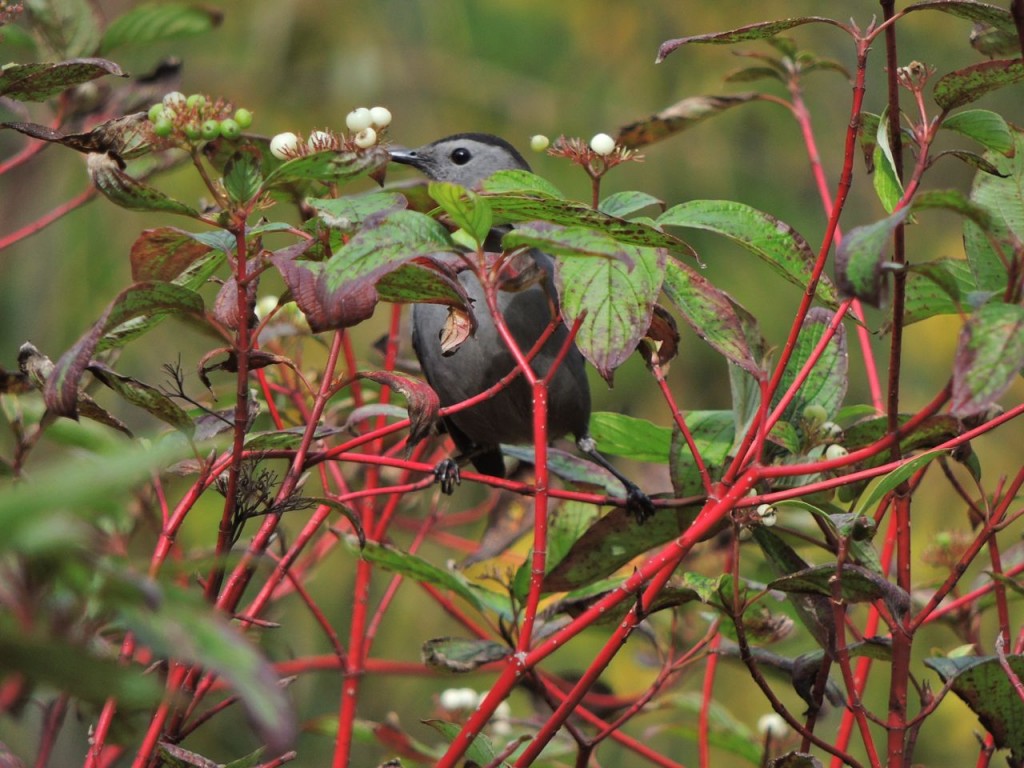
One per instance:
[(834, 452), (284, 145), (381, 117), (358, 119), (602, 144), (768, 515), (366, 138), (773, 724), (453, 699), (319, 140), (175, 100), (539, 142)]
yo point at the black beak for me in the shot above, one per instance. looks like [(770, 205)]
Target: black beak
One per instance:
[(405, 157)]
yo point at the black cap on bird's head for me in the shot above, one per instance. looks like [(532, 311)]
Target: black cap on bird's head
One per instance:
[(465, 158)]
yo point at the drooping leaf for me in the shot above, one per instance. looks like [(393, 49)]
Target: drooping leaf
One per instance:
[(989, 356), (984, 685), (148, 23), (138, 300), (886, 178), (638, 439), (38, 82), (423, 401), (712, 313), (456, 654), (677, 118), (121, 189), (987, 128), (775, 242), (860, 259), (165, 253), (951, 200), (122, 137), (971, 83), (858, 585), (144, 396), (761, 31), (616, 302)]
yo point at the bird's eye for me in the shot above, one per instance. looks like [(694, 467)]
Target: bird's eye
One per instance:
[(461, 156)]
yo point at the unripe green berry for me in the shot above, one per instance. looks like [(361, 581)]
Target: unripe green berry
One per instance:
[(195, 101), (539, 143), (815, 415), (163, 127), (192, 131), (284, 145), (210, 130), (156, 112), (358, 119), (602, 144), (243, 117), (230, 129)]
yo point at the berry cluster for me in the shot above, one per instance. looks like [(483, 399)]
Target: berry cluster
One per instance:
[(197, 118), (367, 127)]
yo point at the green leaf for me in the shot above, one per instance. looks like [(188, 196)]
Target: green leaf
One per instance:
[(761, 31), (457, 654), (73, 669), (348, 213), (778, 244), (971, 83), (163, 254), (886, 178), (888, 483), (376, 250), (827, 381), (989, 356), (622, 204), (615, 301), (951, 200), (712, 313), (639, 439), (38, 82), (480, 750), (725, 732), (184, 628), (860, 259), (713, 433), (517, 182), (982, 13), (121, 189), (1004, 200), (148, 23), (985, 686), (242, 176), (987, 128), (937, 287), (468, 210), (68, 28), (144, 396), (858, 585)]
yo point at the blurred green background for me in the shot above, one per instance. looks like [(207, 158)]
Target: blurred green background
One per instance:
[(573, 67)]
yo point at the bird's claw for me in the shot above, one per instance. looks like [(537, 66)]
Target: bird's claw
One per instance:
[(638, 504), (447, 474)]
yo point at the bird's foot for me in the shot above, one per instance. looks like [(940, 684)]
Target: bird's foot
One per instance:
[(447, 474), (638, 504)]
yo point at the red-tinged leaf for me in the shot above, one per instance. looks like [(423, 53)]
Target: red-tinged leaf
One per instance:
[(861, 258), (153, 22), (761, 31), (138, 300), (772, 240), (423, 401), (989, 356), (616, 302), (680, 116), (567, 241), (144, 396), (38, 82), (859, 585), (423, 281), (661, 342), (971, 83), (396, 741), (347, 214), (121, 189), (257, 359), (225, 306), (712, 313), (123, 137), (165, 253), (324, 309)]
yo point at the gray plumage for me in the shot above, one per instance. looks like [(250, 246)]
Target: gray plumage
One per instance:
[(483, 359)]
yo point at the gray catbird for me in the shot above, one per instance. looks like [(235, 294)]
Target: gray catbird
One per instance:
[(483, 359)]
